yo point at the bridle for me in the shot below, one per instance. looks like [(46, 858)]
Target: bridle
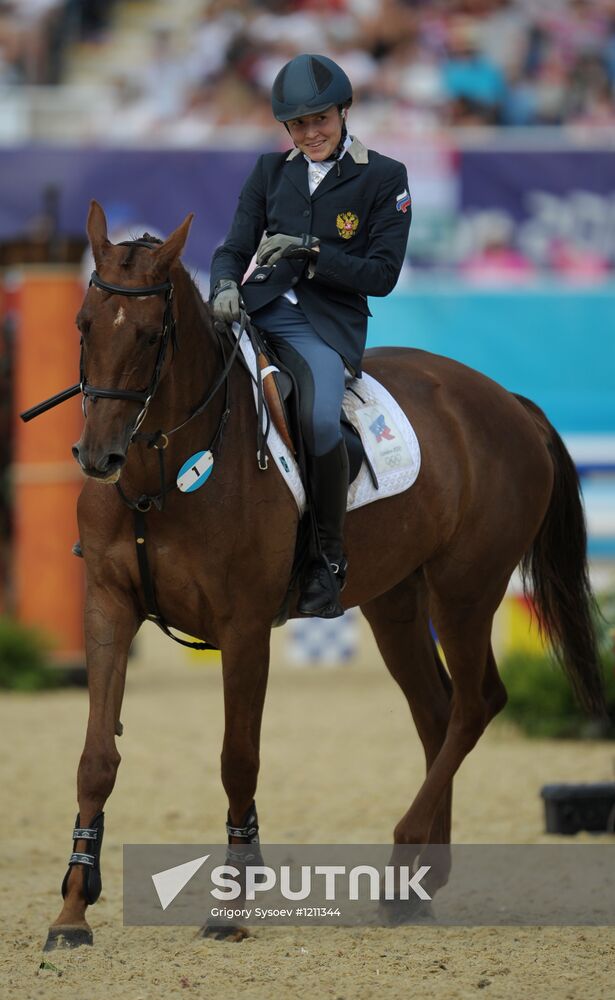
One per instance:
[(158, 439), (169, 334)]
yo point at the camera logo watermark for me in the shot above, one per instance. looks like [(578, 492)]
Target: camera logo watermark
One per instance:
[(231, 883), (169, 883)]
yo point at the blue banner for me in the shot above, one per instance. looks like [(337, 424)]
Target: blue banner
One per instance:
[(559, 195), (150, 189), (551, 343), (554, 198)]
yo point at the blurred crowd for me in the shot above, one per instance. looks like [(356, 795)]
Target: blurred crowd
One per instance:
[(415, 64), (464, 62), (35, 34), (201, 72)]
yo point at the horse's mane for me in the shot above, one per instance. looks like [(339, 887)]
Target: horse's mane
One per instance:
[(201, 302), (131, 248)]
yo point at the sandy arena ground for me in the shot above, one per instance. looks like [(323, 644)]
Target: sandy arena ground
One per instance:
[(340, 762)]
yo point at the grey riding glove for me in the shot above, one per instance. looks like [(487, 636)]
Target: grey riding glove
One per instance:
[(226, 301), (272, 248)]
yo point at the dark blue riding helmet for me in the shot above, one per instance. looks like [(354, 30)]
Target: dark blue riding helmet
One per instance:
[(309, 84)]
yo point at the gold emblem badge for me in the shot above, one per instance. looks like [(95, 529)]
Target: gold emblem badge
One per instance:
[(347, 224)]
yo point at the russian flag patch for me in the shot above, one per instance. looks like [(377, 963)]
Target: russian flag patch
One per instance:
[(403, 201)]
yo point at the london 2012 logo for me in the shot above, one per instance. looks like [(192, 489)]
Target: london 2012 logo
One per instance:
[(380, 430)]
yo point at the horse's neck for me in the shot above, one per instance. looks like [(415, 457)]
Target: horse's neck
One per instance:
[(193, 368), (196, 358)]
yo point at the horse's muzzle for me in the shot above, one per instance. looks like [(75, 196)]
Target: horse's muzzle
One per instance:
[(106, 466)]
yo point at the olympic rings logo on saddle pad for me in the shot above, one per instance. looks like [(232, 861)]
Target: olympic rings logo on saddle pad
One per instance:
[(347, 224)]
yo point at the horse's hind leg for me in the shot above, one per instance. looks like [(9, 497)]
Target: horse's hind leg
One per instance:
[(400, 622), (494, 691), (464, 629), (110, 626)]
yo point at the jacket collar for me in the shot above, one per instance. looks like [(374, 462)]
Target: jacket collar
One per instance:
[(349, 166)]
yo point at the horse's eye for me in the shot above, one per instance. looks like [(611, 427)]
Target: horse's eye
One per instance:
[(153, 339)]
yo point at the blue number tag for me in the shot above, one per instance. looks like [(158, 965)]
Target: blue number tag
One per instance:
[(195, 471)]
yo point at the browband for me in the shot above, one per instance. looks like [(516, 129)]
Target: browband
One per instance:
[(95, 279)]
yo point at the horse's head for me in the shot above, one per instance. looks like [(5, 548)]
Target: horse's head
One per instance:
[(126, 322)]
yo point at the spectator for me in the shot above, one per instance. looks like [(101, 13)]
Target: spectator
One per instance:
[(498, 262), (25, 31), (474, 84), (589, 96), (165, 80), (221, 23), (576, 264)]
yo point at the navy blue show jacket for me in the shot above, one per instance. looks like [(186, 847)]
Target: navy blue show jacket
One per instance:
[(361, 214)]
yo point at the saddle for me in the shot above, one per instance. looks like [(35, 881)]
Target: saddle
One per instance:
[(282, 398)]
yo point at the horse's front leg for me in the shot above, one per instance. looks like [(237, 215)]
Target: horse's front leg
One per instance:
[(245, 668), (110, 626)]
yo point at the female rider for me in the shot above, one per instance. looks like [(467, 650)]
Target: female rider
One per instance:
[(330, 223)]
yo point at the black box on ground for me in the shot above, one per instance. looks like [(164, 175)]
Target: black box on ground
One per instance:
[(570, 808)]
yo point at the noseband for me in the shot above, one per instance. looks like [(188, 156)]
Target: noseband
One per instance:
[(143, 396)]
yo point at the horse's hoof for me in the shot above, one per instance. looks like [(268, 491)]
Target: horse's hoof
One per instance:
[(68, 937), (224, 932), (407, 911)]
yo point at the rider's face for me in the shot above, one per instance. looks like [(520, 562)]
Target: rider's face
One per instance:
[(317, 135)]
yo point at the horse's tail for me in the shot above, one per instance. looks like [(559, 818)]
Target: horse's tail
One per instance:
[(556, 573)]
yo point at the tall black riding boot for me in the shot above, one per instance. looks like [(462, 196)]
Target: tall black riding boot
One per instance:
[(325, 577)]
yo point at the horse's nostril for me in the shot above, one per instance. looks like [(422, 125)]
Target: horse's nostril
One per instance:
[(98, 464)]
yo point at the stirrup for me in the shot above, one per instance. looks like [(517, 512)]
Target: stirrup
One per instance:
[(330, 579)]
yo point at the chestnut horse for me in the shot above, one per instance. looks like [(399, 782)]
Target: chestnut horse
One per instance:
[(496, 488)]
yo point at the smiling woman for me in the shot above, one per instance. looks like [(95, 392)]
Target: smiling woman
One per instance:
[(318, 136), (329, 222)]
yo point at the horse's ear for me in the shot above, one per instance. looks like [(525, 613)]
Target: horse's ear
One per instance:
[(97, 231), (171, 249)]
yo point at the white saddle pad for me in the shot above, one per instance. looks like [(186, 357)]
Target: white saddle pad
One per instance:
[(388, 438)]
